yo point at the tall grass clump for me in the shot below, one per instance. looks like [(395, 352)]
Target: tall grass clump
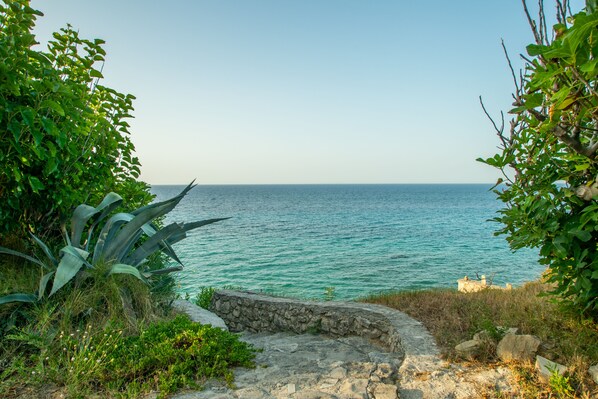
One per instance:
[(453, 317)]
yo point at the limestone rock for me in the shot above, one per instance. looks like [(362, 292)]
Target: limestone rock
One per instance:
[(518, 347), (469, 349), (594, 372), (199, 314), (384, 391), (546, 367), (354, 389)]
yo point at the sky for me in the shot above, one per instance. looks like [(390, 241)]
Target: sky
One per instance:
[(306, 91)]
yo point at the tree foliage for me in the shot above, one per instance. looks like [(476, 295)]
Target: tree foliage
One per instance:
[(549, 156), (64, 138)]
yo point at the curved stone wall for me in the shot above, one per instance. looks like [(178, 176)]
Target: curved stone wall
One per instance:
[(393, 330)]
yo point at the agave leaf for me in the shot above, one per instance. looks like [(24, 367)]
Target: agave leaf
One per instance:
[(110, 202), (179, 196), (126, 234), (69, 266), (18, 298), (130, 244), (109, 230), (190, 226), (22, 255), (152, 244), (78, 253), (78, 221), (45, 248), (120, 268), (165, 270), (43, 283)]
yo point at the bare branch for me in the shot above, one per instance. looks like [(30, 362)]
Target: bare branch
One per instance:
[(502, 127), (532, 24), (542, 18), (502, 43)]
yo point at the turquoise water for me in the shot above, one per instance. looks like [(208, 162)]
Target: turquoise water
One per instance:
[(297, 240)]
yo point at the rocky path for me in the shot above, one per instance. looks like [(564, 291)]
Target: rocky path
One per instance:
[(306, 366)]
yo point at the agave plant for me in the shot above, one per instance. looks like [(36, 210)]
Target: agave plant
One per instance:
[(119, 244)]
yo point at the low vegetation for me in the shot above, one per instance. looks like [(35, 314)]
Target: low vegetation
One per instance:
[(97, 320), (453, 317)]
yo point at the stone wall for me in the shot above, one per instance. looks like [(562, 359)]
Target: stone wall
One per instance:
[(391, 329)]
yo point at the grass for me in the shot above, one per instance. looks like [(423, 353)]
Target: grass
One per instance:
[(453, 317), (105, 336)]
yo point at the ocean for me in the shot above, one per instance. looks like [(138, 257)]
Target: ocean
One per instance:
[(343, 241)]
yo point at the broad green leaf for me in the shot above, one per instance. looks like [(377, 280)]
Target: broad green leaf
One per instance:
[(583, 235), (581, 167), (94, 73), (35, 184), (28, 298), (534, 49), (54, 106)]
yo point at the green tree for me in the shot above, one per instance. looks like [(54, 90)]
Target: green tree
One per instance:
[(64, 138), (548, 157)]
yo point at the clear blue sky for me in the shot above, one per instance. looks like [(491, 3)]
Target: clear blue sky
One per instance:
[(306, 91)]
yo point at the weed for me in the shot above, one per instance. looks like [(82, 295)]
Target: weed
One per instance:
[(204, 297)]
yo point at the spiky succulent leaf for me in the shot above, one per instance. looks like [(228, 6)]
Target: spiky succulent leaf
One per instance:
[(45, 248), (43, 283), (181, 195), (191, 226), (22, 255), (71, 262), (108, 231), (17, 298), (79, 219), (120, 268), (127, 233), (108, 204), (153, 244)]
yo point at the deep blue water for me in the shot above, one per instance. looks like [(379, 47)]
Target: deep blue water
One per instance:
[(297, 240)]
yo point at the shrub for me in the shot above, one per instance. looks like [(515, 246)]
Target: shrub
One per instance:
[(549, 157), (64, 138), (164, 357)]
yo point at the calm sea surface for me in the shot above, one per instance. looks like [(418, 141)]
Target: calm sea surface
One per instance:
[(297, 240)]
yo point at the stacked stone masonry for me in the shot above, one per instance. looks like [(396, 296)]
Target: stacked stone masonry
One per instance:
[(393, 330)]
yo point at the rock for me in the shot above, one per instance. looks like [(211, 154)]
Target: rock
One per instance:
[(518, 347), (338, 373), (384, 391), (199, 314), (546, 367), (313, 394), (291, 388), (469, 349), (355, 388), (594, 372), (386, 372)]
